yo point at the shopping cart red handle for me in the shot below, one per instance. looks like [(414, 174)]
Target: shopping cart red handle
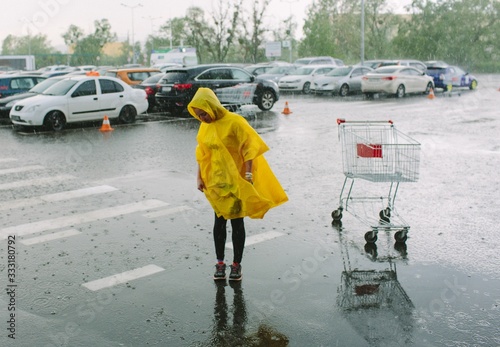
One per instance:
[(342, 120)]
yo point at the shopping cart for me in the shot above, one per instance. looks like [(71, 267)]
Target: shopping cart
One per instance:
[(376, 152)]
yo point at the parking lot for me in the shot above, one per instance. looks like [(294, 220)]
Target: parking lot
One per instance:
[(112, 242)]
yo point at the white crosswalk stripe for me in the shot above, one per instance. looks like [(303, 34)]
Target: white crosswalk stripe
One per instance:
[(66, 221), (36, 182), (123, 277)]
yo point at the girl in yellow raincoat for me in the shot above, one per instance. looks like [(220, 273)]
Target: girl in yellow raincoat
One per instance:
[(233, 174)]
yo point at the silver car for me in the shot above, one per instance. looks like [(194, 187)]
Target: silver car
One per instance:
[(340, 81)]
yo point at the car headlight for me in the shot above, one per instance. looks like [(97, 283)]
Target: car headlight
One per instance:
[(33, 108)]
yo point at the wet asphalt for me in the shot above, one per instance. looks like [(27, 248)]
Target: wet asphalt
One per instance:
[(305, 282)]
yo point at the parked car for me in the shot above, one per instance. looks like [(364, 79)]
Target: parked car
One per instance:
[(262, 68), (276, 72), (11, 84), (340, 81), (319, 61), (451, 76), (302, 78), (134, 75), (79, 99), (53, 68), (398, 80), (405, 62), (7, 102), (178, 87), (151, 86)]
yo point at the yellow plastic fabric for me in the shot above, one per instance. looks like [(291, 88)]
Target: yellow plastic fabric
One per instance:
[(224, 145)]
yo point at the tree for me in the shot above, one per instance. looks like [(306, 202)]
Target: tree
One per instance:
[(463, 32), (86, 49), (253, 33), (217, 39), (37, 45)]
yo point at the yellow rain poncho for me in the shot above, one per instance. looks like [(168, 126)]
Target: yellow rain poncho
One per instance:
[(224, 145)]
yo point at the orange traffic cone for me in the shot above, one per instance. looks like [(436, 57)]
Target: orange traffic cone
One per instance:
[(286, 110), (105, 125), (431, 94)]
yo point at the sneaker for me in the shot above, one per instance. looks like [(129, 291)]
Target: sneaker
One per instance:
[(235, 274), (220, 272)]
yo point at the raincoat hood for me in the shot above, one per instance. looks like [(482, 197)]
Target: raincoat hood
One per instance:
[(206, 100)]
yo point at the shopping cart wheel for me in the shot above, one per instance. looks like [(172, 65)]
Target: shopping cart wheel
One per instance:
[(371, 236), (337, 215), (401, 236), (385, 215)]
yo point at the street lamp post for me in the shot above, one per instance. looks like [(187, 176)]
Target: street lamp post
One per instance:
[(362, 32), (290, 26), (132, 8)]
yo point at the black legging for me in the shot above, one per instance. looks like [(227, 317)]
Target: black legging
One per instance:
[(238, 237)]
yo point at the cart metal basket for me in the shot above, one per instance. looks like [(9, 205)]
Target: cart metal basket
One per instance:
[(236, 96), (376, 152)]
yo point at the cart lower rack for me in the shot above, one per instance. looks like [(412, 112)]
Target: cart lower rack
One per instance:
[(376, 152)]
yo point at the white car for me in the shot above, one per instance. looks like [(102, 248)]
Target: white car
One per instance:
[(79, 99), (340, 81), (397, 80), (300, 80)]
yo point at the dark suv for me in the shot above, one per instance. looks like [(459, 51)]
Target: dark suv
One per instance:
[(14, 84), (234, 87)]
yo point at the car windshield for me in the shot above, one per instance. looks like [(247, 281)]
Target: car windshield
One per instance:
[(303, 71), (387, 70), (304, 61), (42, 86), (60, 88), (174, 76), (340, 71), (435, 70), (153, 79)]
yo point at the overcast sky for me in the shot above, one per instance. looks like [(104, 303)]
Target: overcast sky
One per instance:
[(53, 17)]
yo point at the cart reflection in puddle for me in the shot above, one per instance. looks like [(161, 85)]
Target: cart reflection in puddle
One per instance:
[(374, 302)]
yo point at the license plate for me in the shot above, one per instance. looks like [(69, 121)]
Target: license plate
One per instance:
[(166, 89), (15, 118)]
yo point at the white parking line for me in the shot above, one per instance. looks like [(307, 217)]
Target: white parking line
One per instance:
[(21, 169), (36, 182), (251, 240), (67, 195), (167, 211), (66, 221), (50, 237), (123, 277)]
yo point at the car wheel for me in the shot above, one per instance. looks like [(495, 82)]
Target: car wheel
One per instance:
[(55, 121), (267, 100), (473, 85), (344, 90), (428, 88), (306, 89), (400, 92), (127, 114)]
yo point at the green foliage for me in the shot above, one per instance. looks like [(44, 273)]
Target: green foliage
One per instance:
[(462, 32)]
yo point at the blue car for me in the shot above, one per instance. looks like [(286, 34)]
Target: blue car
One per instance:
[(14, 84), (447, 77)]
